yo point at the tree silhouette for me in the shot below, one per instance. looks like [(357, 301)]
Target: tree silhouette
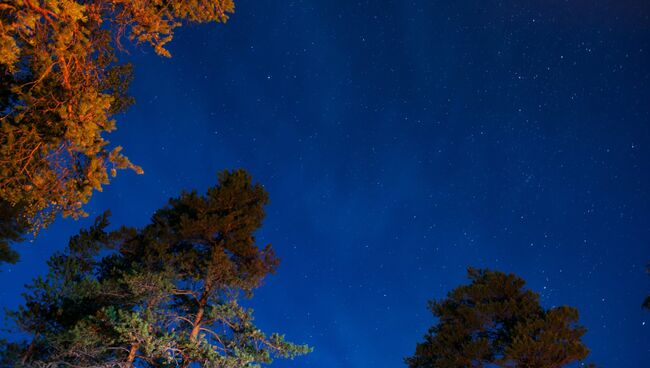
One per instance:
[(166, 295), (494, 321), (12, 229)]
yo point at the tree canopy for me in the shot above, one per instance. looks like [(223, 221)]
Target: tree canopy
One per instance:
[(60, 88), (12, 229), (166, 295), (495, 321)]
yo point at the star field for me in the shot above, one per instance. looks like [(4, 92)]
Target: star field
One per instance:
[(400, 143)]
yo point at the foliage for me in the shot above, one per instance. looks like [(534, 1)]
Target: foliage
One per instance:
[(494, 321), (61, 85), (166, 295), (12, 227)]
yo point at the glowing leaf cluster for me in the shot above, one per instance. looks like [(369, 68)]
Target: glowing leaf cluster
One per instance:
[(61, 84)]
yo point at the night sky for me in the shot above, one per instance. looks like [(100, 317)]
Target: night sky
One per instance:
[(400, 143)]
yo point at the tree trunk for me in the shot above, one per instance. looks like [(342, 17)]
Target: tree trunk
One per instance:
[(131, 358), (28, 353), (199, 316), (196, 325)]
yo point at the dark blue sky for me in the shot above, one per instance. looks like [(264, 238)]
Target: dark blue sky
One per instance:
[(401, 142)]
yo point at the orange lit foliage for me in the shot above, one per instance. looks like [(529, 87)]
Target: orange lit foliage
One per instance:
[(60, 86)]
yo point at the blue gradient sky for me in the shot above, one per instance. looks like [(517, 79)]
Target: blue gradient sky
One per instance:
[(401, 142)]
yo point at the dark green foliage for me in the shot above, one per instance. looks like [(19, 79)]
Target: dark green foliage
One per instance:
[(12, 229), (494, 321), (166, 295)]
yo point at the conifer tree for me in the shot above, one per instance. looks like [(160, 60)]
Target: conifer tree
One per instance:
[(166, 295), (494, 321), (61, 84)]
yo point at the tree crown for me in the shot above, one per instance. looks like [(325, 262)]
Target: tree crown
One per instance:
[(495, 321), (164, 295), (61, 85)]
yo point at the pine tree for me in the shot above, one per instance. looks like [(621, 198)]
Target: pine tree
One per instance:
[(494, 321), (61, 84), (166, 295)]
